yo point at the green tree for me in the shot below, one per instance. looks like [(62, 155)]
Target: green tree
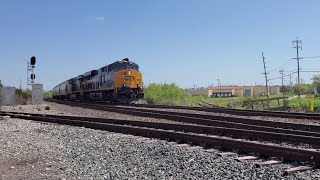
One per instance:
[(302, 88), (316, 82)]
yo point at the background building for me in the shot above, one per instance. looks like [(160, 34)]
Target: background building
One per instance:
[(236, 91), (197, 92)]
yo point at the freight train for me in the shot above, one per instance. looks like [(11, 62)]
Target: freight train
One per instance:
[(119, 81)]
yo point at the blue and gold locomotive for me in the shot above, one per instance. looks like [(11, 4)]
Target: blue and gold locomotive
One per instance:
[(120, 80)]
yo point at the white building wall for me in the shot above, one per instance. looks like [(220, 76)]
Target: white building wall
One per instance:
[(7, 96), (37, 94)]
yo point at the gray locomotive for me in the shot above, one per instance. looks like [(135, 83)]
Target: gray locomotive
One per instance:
[(118, 81)]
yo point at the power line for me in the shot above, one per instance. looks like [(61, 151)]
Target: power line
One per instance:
[(309, 71), (311, 57), (283, 76), (286, 64), (271, 84)]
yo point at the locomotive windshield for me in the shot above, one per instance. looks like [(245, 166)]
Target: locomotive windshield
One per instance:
[(124, 65), (133, 67)]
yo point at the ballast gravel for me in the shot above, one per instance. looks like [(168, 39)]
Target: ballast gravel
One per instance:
[(33, 150), (60, 109), (262, 118)]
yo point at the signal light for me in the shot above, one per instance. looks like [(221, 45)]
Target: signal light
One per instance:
[(33, 60), (33, 76)]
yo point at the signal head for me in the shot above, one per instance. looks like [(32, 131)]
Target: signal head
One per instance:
[(33, 76), (33, 60)]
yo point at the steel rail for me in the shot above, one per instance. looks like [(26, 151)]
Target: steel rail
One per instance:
[(285, 153), (240, 112), (200, 129), (231, 122)]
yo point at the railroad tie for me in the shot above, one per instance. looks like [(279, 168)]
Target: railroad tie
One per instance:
[(183, 145), (194, 147), (170, 143), (210, 150), (246, 158), (227, 154), (142, 139), (266, 163), (150, 141), (297, 169)]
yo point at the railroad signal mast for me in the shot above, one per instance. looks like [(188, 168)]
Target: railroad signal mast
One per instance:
[(30, 70)]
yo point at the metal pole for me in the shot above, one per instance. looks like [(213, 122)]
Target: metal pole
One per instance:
[(266, 77), (297, 42), (219, 85), (283, 90), (27, 75)]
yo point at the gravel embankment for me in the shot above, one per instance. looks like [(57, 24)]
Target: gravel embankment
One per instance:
[(263, 118), (32, 150)]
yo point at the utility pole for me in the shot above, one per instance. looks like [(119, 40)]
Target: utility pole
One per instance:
[(266, 77), (291, 80), (20, 83), (219, 85), (283, 90), (297, 47)]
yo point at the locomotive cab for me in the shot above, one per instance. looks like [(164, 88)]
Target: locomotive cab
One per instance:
[(128, 84)]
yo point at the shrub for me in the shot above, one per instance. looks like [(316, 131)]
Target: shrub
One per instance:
[(169, 94), (23, 96), (302, 88), (47, 95)]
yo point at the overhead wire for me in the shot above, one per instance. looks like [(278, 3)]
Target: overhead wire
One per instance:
[(311, 57), (283, 76), (286, 64)]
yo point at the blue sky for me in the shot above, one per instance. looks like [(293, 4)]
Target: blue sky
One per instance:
[(182, 41)]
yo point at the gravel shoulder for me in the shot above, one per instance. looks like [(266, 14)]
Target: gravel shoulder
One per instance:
[(33, 150)]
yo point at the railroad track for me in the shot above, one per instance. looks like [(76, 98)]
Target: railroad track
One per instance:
[(240, 112), (192, 134), (211, 120)]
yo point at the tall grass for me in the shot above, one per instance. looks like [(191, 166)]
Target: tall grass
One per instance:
[(303, 105), (169, 94)]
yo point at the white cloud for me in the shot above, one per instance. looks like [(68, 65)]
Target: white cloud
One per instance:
[(100, 18)]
